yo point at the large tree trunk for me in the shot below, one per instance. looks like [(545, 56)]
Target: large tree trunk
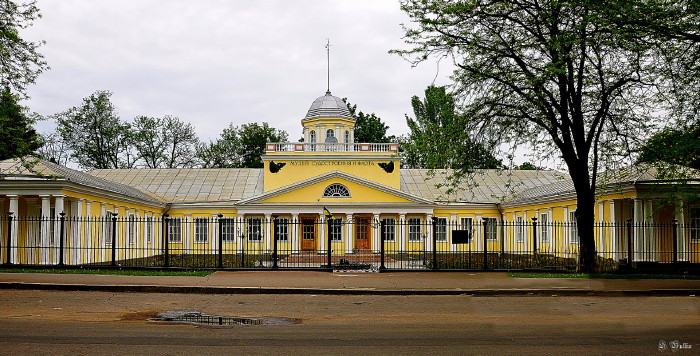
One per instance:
[(585, 220)]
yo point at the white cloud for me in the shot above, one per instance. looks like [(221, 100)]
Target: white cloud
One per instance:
[(219, 62)]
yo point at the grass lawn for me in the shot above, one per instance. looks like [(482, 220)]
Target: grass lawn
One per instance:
[(601, 275), (122, 272)]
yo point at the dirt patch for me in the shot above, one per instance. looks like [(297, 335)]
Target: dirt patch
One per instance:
[(139, 316)]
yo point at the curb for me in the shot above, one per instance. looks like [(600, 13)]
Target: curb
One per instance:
[(314, 291)]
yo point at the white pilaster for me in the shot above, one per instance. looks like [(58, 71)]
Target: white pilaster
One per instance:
[(550, 230), (296, 247), (681, 236), (638, 229), (479, 232), (613, 230), (567, 230), (349, 238), (376, 238), (267, 231), (187, 244), (452, 226), (14, 209), (46, 222), (428, 241), (214, 233), (322, 233), (601, 229), (402, 232)]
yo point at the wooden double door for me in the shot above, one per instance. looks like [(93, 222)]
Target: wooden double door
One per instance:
[(362, 233)]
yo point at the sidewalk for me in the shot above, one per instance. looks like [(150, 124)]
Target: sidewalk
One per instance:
[(388, 283)]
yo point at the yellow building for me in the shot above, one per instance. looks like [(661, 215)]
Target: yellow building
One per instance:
[(243, 217)]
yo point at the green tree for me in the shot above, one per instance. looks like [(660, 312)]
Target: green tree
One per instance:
[(54, 149), (368, 128), (440, 137), (676, 146), (17, 137), (95, 134), (239, 147), (571, 77), (20, 61), (164, 142)]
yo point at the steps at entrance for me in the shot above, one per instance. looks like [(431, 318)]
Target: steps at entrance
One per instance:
[(314, 257)]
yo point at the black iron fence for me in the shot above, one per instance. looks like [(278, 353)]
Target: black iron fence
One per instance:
[(220, 242)]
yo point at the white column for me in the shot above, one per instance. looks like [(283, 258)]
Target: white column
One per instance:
[(649, 230), (87, 252), (550, 229), (601, 229), (377, 238), (428, 241), (214, 233), (267, 231), (567, 230), (681, 238), (322, 233), (402, 232), (187, 244), (479, 232), (638, 229), (240, 232), (348, 233), (295, 233), (45, 253), (76, 230), (14, 209), (613, 229), (452, 226)]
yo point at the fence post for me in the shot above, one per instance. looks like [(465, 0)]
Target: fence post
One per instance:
[(328, 243), (435, 262), (61, 236), (382, 228), (486, 266), (166, 240), (629, 243), (675, 241), (9, 238), (274, 241), (534, 236), (114, 239), (221, 242)]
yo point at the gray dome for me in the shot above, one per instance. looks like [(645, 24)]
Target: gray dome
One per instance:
[(328, 106)]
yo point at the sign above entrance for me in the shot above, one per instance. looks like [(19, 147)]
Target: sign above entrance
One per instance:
[(331, 163)]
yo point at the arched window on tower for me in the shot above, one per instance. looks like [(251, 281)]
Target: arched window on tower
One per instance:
[(312, 140)]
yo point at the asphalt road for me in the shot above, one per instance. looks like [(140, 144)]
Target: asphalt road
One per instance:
[(89, 323)]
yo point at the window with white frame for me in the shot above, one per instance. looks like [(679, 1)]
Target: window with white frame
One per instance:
[(389, 229), (282, 229), (335, 229), (175, 230), (149, 229), (573, 227), (544, 227), (228, 230), (694, 217), (254, 229), (519, 229), (201, 230), (467, 224), (491, 229), (415, 230), (441, 229), (131, 229), (109, 228)]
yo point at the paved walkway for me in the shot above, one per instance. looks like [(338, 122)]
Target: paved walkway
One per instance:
[(389, 283)]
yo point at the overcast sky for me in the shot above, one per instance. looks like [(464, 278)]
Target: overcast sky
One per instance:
[(213, 63)]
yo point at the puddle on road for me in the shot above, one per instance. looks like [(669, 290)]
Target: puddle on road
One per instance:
[(199, 318)]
